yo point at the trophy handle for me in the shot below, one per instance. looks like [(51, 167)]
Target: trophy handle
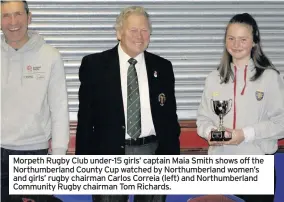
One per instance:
[(230, 105)]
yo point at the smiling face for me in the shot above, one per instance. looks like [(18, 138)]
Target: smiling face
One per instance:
[(134, 35), (239, 42), (14, 23)]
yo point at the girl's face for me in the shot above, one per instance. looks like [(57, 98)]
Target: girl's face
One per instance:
[(239, 42)]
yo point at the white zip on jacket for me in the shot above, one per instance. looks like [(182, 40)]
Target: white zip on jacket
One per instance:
[(259, 111), (34, 97)]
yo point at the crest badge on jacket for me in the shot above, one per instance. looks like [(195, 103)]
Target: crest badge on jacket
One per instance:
[(162, 99)]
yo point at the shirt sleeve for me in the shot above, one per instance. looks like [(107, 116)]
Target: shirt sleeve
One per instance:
[(273, 128), (249, 134), (204, 121), (58, 103)]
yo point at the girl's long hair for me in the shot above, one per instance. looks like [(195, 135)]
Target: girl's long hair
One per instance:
[(260, 60)]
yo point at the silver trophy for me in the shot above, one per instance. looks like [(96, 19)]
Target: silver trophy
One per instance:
[(221, 108)]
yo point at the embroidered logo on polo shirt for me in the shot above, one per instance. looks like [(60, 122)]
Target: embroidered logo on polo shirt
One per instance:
[(34, 72), (29, 69), (259, 95), (214, 94)]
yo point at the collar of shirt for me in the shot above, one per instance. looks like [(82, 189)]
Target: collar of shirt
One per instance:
[(123, 57), (250, 65)]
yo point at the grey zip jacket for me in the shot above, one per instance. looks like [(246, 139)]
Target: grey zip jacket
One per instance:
[(34, 97), (259, 111)]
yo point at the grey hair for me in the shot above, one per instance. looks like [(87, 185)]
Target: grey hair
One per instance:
[(126, 12), (26, 6)]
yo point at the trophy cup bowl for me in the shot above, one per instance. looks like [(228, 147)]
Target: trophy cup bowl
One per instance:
[(221, 108)]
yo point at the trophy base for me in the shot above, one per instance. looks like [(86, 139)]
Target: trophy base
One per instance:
[(220, 136)]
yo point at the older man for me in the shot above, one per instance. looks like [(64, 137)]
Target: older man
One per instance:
[(127, 99)]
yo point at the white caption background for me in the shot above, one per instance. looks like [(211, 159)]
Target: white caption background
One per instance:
[(183, 174)]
